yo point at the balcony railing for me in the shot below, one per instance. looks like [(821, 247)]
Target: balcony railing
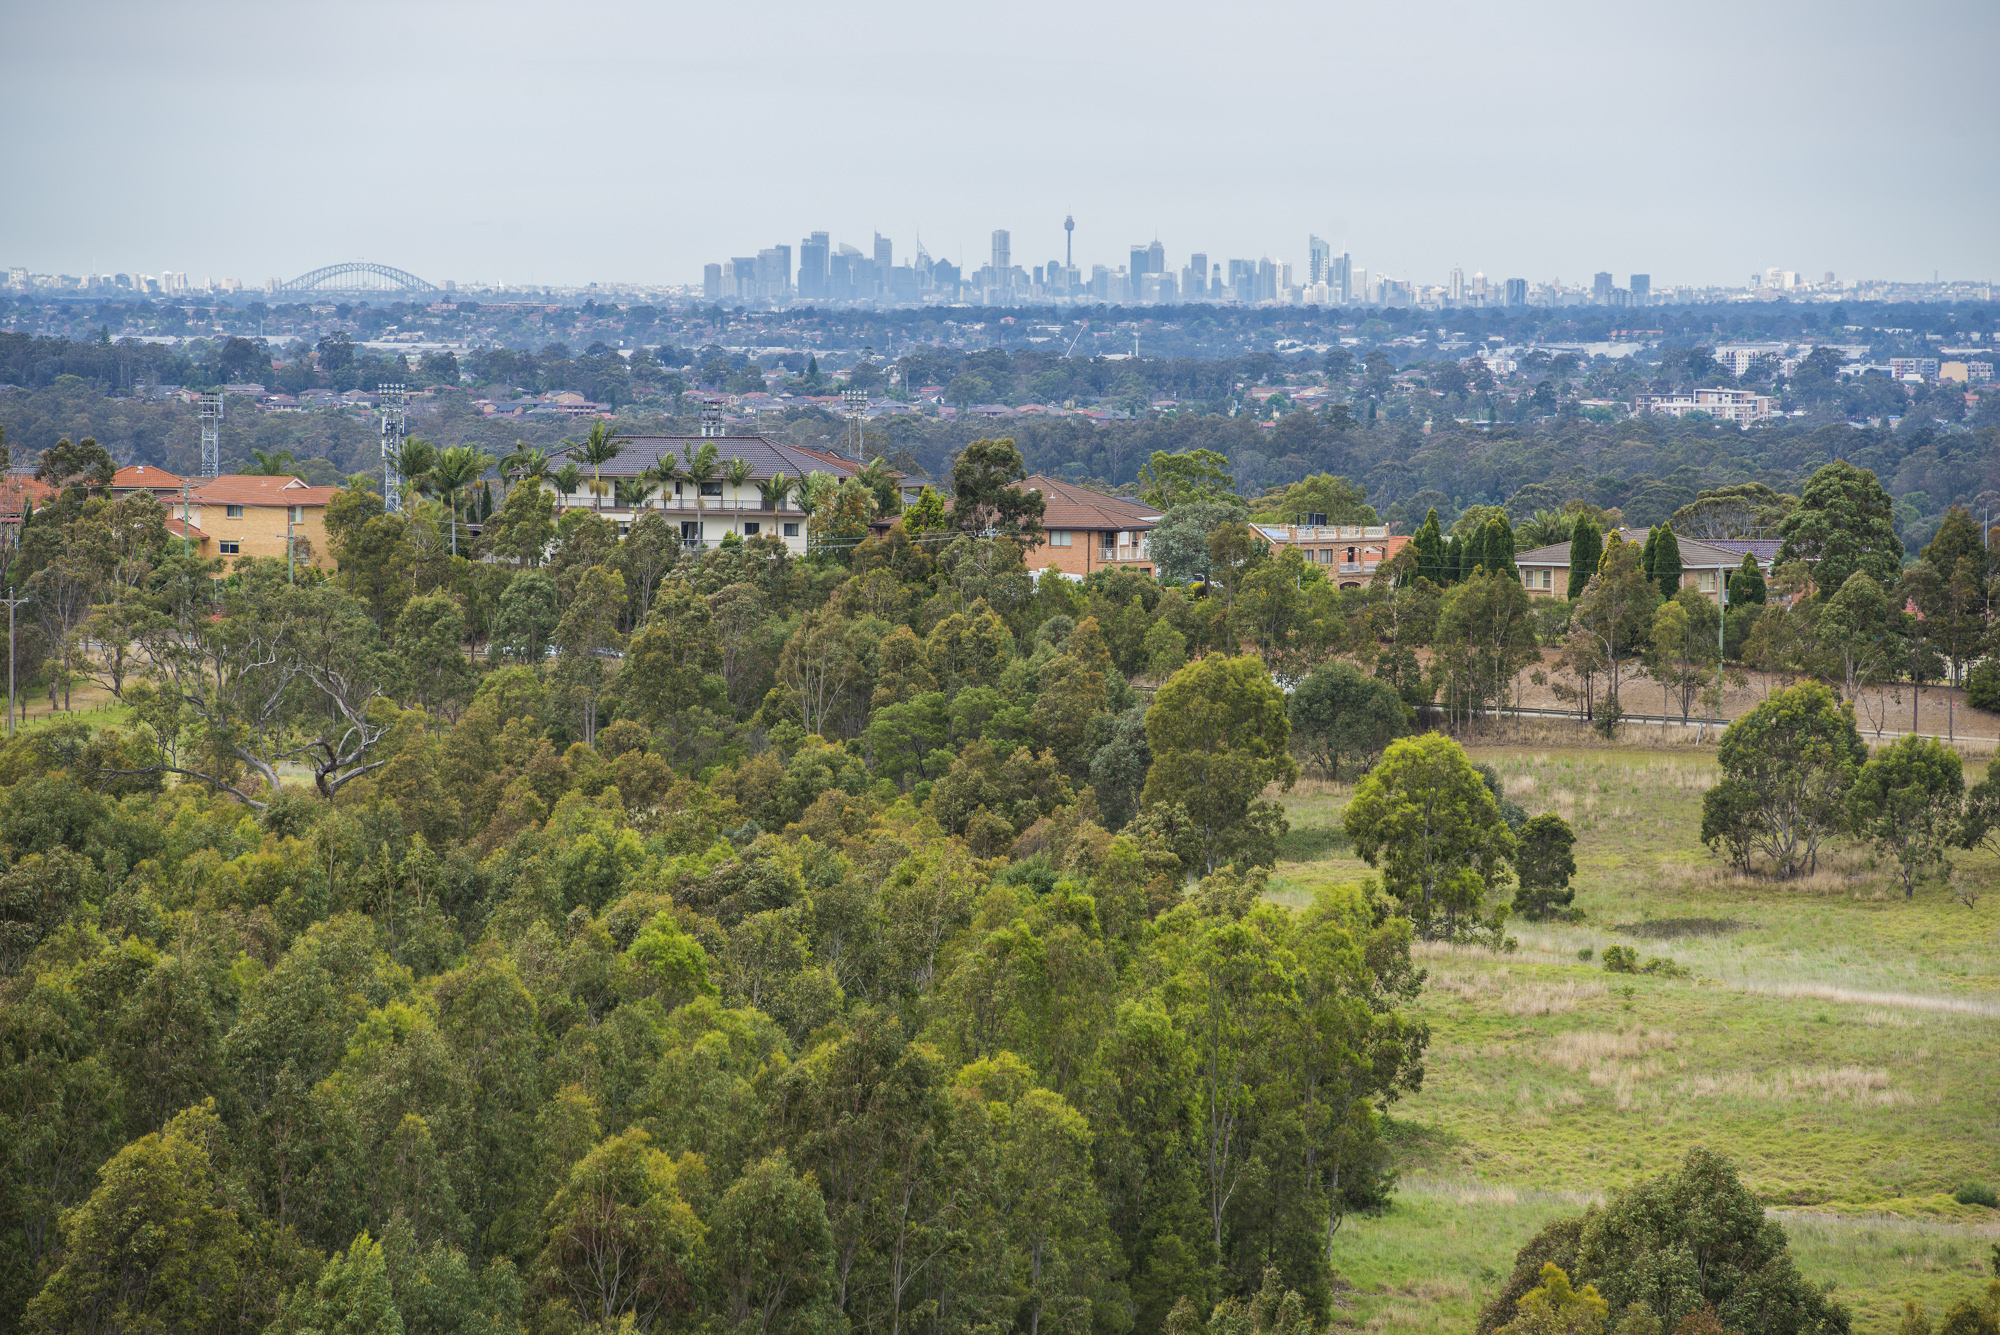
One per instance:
[(682, 505)]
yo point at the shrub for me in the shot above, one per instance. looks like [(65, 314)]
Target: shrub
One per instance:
[(1982, 685), (1977, 1193), (1621, 959)]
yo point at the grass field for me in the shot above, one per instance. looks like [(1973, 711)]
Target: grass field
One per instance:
[(1840, 1043)]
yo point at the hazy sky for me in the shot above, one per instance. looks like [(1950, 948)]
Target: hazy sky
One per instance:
[(589, 140)]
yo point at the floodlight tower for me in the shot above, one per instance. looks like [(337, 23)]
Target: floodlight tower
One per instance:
[(211, 435), (394, 431)]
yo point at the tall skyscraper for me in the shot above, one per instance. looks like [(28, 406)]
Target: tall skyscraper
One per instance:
[(1141, 261), (1194, 279), (1069, 239), (1600, 289), (1454, 289), (812, 267), (1342, 278), (1319, 261), (1156, 257), (1002, 255), (711, 282), (1517, 291), (1642, 288)]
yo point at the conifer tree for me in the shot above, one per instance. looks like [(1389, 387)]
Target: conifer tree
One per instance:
[(1586, 545), (1666, 568)]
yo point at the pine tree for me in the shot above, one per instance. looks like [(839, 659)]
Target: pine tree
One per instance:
[(1586, 546), (1499, 547), (1429, 545), (1746, 586), (1454, 560), (1667, 562)]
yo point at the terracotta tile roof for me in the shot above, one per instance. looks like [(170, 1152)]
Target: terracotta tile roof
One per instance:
[(176, 527), (231, 489), (1070, 506), (132, 477)]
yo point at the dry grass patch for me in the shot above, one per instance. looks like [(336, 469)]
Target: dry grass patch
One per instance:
[(1584, 1049), (1861, 1086), (1548, 998)]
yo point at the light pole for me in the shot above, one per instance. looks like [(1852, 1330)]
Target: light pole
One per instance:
[(12, 603)]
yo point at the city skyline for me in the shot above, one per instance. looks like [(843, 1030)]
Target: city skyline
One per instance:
[(1523, 142)]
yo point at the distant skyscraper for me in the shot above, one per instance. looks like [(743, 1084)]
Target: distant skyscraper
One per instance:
[(1002, 255), (1600, 289), (1319, 261), (1517, 291), (1642, 288), (1069, 240), (1194, 279), (774, 272), (1141, 260), (885, 257), (812, 267), (1342, 278), (1156, 257), (711, 282), (1454, 291)]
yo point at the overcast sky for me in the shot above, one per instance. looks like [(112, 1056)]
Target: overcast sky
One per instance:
[(590, 140)]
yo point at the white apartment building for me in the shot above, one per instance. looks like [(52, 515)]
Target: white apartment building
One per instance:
[(1741, 406)]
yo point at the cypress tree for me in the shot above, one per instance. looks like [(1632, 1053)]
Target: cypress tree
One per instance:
[(1612, 542), (1429, 543), (1667, 563), (1586, 545), (1500, 546), (1454, 560), (1746, 586), (1647, 552)]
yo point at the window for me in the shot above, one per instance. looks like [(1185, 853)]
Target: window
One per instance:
[(791, 530), (711, 488), (1107, 545), (231, 548), (298, 514), (1326, 555), (752, 529), (232, 511), (1706, 581), (1059, 537), (691, 532)]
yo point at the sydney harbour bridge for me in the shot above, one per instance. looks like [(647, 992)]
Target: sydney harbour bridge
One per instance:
[(359, 278)]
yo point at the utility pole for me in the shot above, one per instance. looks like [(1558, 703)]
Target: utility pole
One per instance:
[(12, 603)]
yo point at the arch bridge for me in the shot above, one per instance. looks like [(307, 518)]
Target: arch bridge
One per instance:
[(359, 276)]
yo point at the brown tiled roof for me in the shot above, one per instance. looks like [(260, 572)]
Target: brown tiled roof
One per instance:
[(1070, 506), (134, 476), (251, 489)]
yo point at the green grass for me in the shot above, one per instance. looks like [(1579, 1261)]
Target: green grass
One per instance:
[(1838, 1042)]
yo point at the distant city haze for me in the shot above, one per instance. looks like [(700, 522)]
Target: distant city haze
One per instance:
[(564, 144)]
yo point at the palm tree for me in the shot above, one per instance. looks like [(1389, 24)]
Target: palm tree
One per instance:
[(702, 466), (737, 474), (414, 462), (661, 473), (274, 464), (630, 493), (567, 479), (456, 469), (599, 448), (525, 462), (777, 489)]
